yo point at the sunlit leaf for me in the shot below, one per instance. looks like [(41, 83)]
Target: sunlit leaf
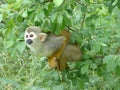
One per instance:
[(25, 14), (58, 2), (60, 19)]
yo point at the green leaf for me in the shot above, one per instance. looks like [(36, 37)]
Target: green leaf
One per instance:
[(83, 8), (110, 79), (67, 21), (21, 47), (84, 69), (53, 17), (117, 85), (103, 44), (93, 66), (60, 19), (110, 6), (96, 47), (53, 27), (46, 12), (118, 60), (117, 72), (118, 4), (110, 62), (1, 17), (58, 29), (80, 84), (8, 44), (87, 1), (57, 2), (58, 87), (25, 14)]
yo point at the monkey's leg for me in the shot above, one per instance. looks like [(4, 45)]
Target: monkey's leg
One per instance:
[(62, 64)]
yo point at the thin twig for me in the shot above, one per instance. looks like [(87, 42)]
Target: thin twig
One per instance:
[(82, 23)]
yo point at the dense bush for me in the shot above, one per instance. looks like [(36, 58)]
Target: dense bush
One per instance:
[(95, 27)]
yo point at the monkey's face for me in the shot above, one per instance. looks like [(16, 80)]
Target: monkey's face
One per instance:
[(34, 37), (30, 38)]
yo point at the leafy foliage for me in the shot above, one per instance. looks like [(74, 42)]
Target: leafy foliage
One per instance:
[(95, 27)]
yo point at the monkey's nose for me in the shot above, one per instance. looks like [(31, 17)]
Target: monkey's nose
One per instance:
[(29, 41)]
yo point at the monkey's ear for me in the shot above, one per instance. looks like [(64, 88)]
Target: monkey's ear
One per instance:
[(42, 36)]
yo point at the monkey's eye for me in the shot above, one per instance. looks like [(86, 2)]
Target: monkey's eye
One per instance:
[(26, 36), (31, 35)]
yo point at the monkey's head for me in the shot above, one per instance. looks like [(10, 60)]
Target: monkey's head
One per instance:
[(33, 36)]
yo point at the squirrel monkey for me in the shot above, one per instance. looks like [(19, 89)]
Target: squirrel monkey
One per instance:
[(55, 48)]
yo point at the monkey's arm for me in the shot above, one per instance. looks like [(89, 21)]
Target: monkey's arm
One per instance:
[(58, 44)]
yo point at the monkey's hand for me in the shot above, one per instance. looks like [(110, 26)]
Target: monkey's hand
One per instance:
[(53, 63)]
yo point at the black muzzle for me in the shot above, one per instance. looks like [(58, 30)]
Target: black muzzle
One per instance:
[(29, 41)]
